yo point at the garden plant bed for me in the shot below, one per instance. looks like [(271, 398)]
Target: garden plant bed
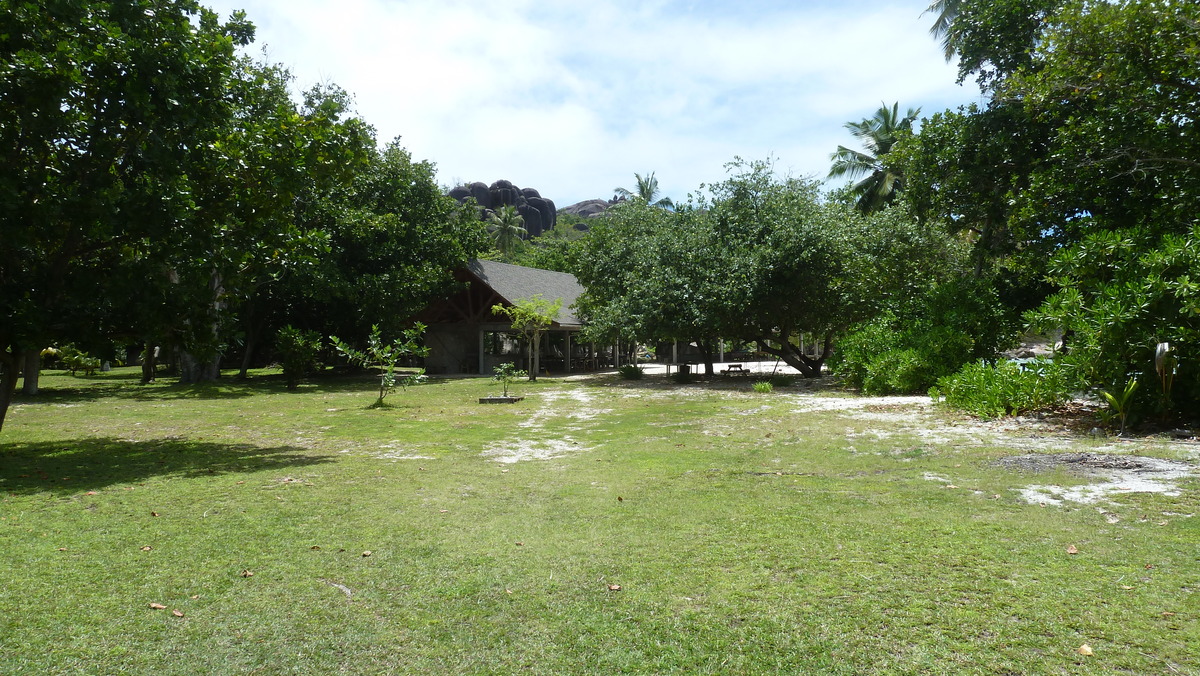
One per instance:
[(500, 400)]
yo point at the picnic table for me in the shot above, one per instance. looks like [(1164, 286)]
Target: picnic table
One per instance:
[(735, 370)]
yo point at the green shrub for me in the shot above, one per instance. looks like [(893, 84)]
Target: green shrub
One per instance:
[(880, 360), (1122, 295), (73, 359), (1005, 389), (764, 387), (298, 352), (631, 372)]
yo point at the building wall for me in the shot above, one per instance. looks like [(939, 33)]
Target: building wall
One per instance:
[(453, 348)]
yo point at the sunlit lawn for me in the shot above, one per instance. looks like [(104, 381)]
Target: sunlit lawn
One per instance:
[(688, 529)]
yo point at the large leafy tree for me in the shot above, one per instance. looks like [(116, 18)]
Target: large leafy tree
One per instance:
[(1086, 151), (759, 258), (102, 108), (274, 160), (393, 240), (655, 275), (881, 180)]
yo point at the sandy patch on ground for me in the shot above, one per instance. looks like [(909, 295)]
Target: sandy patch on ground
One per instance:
[(1115, 475), (576, 405), (544, 449)]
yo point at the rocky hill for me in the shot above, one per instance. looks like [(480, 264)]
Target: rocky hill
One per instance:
[(539, 213)]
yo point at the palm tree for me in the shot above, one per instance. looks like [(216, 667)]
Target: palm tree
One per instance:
[(506, 228), (647, 189), (943, 29), (878, 135)]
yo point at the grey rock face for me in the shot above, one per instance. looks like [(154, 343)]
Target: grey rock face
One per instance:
[(588, 208), (539, 213), (481, 194)]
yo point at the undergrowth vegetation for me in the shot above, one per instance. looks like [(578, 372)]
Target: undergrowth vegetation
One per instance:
[(1005, 388)]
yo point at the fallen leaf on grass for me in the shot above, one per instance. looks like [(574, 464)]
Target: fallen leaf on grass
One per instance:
[(315, 547), (1149, 566), (158, 606), (1162, 523), (1126, 587), (246, 572), (1085, 650), (195, 596), (62, 549), (153, 513), (90, 493), (620, 499), (1168, 614), (951, 486), (614, 587), (177, 612), (147, 548), (507, 591), (520, 544), (366, 554), (1071, 549), (443, 511)]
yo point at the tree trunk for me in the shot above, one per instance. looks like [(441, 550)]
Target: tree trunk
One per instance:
[(30, 372), (535, 357), (252, 330), (149, 362), (706, 351), (193, 370), (8, 382), (793, 356)]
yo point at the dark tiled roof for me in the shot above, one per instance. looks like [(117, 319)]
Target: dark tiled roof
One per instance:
[(514, 282)]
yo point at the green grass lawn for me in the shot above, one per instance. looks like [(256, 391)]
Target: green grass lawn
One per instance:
[(746, 536)]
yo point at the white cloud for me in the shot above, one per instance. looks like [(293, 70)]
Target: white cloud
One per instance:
[(573, 98)]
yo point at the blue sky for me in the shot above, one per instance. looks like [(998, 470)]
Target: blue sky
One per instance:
[(573, 98)]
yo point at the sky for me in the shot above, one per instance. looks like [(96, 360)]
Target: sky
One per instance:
[(575, 97)]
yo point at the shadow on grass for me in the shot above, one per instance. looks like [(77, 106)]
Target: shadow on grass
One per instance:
[(75, 465), (720, 382), (91, 388)]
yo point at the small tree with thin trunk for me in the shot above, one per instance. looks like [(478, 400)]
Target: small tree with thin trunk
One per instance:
[(531, 316), (385, 356)]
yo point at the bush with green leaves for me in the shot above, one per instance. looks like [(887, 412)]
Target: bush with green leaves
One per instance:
[(879, 359), (631, 372), (298, 351), (907, 350), (1006, 388), (74, 360), (386, 357)]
